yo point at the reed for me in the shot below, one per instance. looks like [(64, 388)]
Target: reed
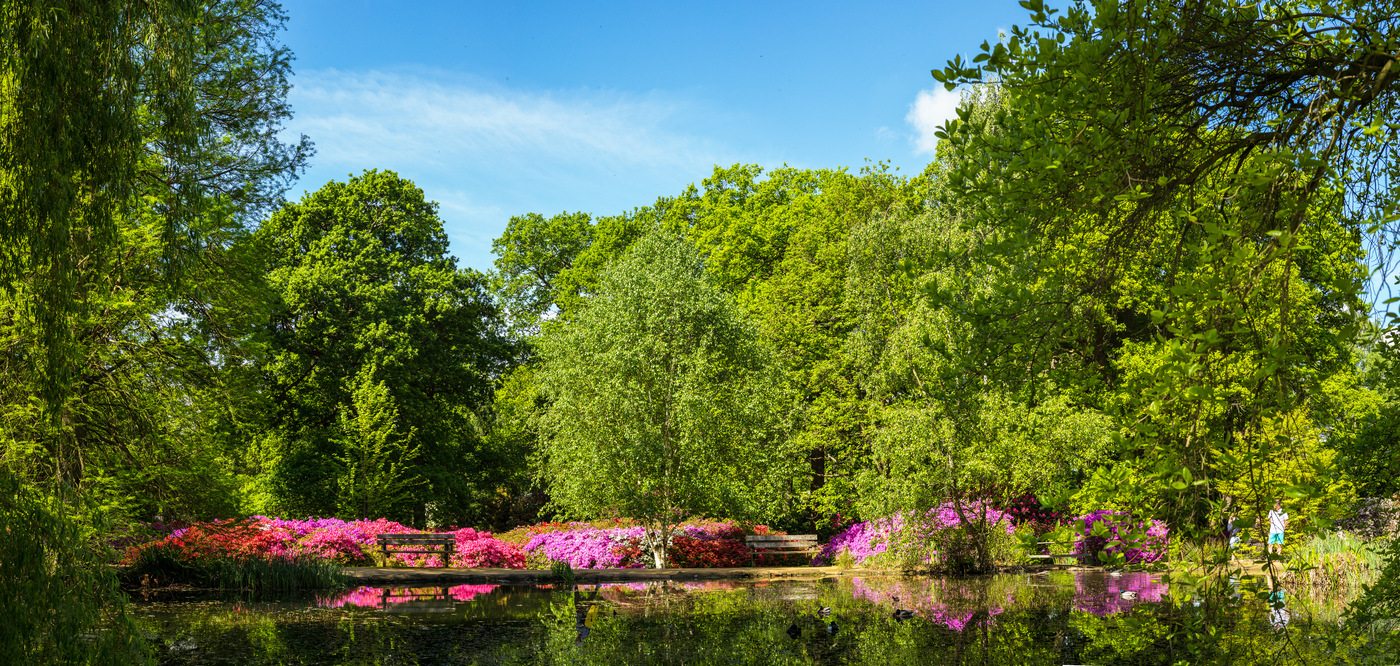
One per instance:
[(162, 565), (1334, 561)]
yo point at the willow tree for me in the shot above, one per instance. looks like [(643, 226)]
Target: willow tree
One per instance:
[(663, 402), (137, 139)]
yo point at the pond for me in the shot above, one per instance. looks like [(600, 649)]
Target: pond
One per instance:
[(1052, 618)]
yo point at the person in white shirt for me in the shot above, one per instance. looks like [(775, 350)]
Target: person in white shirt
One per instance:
[(1278, 522)]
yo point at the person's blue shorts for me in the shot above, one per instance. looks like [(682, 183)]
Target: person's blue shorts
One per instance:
[(1276, 538)]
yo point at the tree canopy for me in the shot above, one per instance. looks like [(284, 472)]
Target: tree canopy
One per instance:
[(368, 297), (663, 400)]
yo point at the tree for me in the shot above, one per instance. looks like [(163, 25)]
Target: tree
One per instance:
[(365, 281), (531, 253), (373, 475), (663, 402), (136, 140), (112, 108), (1203, 172)]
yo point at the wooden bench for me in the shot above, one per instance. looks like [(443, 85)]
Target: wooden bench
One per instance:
[(783, 544), (1053, 557), (432, 544)]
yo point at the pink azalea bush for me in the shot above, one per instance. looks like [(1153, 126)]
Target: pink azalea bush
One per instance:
[(593, 546), (871, 538), (1120, 538), (345, 542), (590, 547)]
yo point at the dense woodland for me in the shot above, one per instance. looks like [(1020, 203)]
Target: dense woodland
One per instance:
[(1134, 277)]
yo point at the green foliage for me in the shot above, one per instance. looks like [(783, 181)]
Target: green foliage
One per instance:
[(58, 595), (562, 571), (168, 565), (778, 245), (1178, 194), (173, 107), (373, 477), (1379, 605), (662, 400), (138, 394), (1371, 456), (366, 288), (532, 252)]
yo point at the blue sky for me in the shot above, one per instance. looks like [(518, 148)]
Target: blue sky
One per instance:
[(499, 109)]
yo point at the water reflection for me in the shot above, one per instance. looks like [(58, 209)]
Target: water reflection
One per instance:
[(1055, 619), (1107, 594), (404, 598)]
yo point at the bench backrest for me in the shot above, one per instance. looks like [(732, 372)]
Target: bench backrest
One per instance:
[(415, 539), (782, 543)]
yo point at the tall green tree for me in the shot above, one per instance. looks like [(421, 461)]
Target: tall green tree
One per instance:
[(364, 280), (109, 108), (373, 475), (663, 401), (136, 141), (531, 253), (1224, 196)]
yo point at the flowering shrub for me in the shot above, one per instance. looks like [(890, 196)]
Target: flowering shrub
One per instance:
[(232, 538), (709, 546), (331, 539), (1117, 537), (862, 540), (478, 549), (591, 548), (872, 538), (339, 547)]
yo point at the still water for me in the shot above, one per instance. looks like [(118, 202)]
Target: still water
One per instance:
[(1055, 618)]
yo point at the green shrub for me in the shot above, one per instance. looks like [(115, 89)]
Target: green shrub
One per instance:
[(59, 601), (562, 571)]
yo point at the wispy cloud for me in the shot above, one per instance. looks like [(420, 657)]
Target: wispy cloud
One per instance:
[(374, 115), (930, 109), (486, 153)]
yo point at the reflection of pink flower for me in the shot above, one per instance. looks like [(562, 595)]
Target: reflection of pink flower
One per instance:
[(918, 595), (373, 597), (1102, 595)]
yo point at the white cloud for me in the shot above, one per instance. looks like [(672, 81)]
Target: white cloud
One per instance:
[(486, 152), (930, 109)]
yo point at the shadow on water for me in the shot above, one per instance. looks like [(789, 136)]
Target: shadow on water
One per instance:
[(1054, 618)]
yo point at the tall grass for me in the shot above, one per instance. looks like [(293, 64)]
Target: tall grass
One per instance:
[(163, 565), (1335, 561)]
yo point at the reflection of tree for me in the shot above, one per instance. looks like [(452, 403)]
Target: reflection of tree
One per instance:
[(997, 621)]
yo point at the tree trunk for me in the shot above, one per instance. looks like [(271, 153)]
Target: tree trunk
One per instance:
[(658, 539)]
